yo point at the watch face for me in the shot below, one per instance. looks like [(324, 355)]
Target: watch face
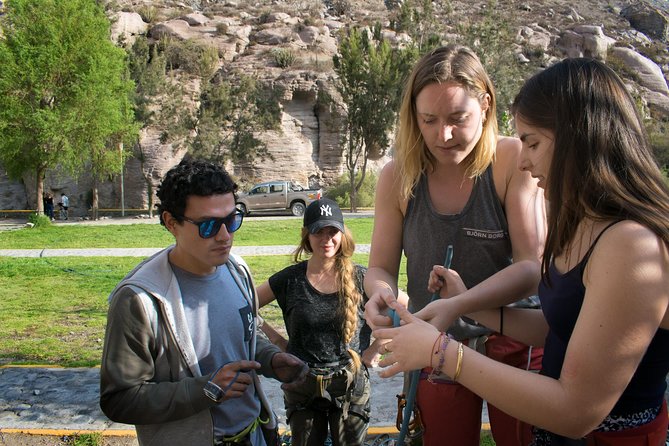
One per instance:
[(213, 392)]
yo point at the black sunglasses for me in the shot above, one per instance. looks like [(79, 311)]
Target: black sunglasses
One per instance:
[(209, 228)]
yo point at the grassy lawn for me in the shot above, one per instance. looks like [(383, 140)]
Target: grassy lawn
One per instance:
[(253, 232), (53, 310)]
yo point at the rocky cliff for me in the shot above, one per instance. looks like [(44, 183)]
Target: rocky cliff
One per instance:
[(631, 35)]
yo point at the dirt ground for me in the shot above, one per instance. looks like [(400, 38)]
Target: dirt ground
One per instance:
[(19, 439)]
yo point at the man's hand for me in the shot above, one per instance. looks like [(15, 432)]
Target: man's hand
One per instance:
[(290, 370), (235, 377)]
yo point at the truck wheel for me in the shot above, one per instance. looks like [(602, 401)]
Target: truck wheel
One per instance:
[(242, 209), (297, 208)]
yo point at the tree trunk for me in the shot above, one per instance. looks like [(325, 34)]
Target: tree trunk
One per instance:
[(146, 174), (353, 193), (358, 185), (39, 189), (96, 204), (150, 192)]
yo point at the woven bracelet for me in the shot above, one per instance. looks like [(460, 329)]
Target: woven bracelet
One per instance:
[(442, 357)]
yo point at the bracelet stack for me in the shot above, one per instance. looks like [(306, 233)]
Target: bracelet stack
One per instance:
[(441, 351)]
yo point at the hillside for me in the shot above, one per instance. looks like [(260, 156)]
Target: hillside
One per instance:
[(243, 37)]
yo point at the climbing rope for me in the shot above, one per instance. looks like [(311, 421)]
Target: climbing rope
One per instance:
[(414, 376)]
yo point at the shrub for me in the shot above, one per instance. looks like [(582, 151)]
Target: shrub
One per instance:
[(39, 220), (92, 439), (148, 13), (283, 58), (340, 192), (339, 7), (264, 17), (221, 29), (193, 58)]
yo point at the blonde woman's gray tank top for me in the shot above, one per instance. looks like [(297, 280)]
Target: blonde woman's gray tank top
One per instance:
[(479, 235)]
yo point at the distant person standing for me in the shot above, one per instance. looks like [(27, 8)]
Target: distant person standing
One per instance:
[(48, 206), (64, 205)]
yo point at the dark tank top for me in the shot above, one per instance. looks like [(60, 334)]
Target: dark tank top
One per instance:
[(561, 304), (479, 235)]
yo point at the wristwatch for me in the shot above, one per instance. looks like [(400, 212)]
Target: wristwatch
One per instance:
[(213, 392)]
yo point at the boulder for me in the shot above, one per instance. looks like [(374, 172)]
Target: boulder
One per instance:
[(273, 36), (195, 19), (647, 72), (179, 29), (585, 41), (128, 25), (535, 37), (649, 20)]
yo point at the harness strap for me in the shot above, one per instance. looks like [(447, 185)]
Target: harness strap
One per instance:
[(324, 365), (245, 432), (322, 384)]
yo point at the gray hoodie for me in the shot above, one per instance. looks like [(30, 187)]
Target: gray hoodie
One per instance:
[(149, 375)]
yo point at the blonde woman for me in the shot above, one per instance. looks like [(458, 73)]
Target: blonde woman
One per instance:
[(454, 181), (322, 301)]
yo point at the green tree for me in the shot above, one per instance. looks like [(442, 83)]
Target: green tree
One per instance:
[(159, 100), (418, 18), (230, 114), (105, 138), (371, 74), (63, 93), (493, 40)]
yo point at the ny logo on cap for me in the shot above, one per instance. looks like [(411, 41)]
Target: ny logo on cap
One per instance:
[(326, 210)]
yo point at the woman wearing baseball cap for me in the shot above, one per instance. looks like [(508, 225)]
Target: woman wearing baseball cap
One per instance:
[(322, 300)]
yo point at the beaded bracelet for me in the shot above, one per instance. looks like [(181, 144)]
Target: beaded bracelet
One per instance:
[(442, 357)]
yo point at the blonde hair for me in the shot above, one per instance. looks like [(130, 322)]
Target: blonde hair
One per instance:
[(452, 63), (347, 290)]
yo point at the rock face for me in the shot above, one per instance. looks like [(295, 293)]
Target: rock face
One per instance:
[(128, 25), (307, 147), (651, 21), (585, 41)]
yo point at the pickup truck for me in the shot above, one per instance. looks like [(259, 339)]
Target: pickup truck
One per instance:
[(276, 196)]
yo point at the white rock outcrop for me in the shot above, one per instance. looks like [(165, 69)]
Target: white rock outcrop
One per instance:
[(648, 73)]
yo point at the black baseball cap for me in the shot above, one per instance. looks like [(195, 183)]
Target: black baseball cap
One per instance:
[(323, 213)]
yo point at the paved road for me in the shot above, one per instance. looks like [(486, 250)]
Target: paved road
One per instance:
[(57, 398)]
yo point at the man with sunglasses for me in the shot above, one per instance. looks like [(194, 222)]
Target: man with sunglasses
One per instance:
[(182, 354)]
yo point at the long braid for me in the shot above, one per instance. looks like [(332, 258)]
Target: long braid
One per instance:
[(349, 296)]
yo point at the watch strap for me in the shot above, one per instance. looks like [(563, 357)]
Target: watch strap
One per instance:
[(212, 390)]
